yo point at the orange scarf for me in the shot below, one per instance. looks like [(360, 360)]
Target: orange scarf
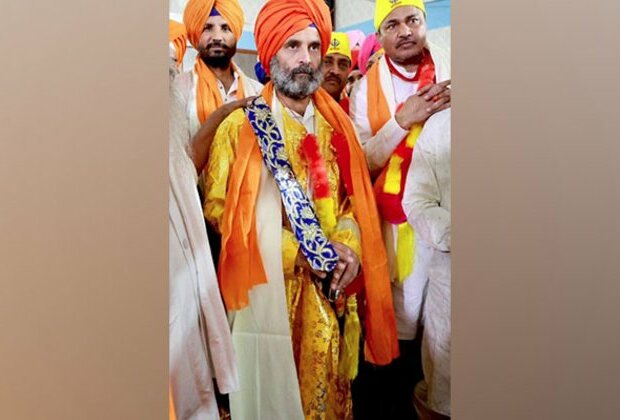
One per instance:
[(171, 413), (241, 267), (177, 35), (208, 97)]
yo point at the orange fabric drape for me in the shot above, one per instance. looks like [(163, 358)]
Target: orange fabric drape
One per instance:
[(208, 97), (178, 36), (171, 412), (379, 114), (241, 267), (389, 203)]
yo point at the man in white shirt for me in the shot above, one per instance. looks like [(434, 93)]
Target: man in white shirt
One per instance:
[(427, 205), (199, 337), (389, 107), (213, 29)]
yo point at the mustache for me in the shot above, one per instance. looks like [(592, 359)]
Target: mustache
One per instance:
[(217, 44), (405, 41), (333, 77), (302, 69)]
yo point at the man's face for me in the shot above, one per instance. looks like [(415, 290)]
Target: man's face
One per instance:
[(217, 44), (335, 68), (353, 77), (295, 68), (403, 34)]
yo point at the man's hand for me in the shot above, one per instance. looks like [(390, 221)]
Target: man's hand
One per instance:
[(228, 108), (347, 267), (302, 262), (201, 142), (424, 103)]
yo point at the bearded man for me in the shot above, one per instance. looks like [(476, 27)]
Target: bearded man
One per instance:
[(288, 188)]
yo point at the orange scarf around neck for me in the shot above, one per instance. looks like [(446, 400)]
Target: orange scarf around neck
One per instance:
[(208, 97)]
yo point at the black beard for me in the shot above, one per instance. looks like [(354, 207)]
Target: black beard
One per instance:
[(220, 61)]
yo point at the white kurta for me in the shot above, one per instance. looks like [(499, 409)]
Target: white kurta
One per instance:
[(261, 331), (190, 81), (407, 298), (200, 343), (427, 204)]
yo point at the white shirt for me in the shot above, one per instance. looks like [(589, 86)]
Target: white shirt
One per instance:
[(200, 344), (408, 297), (379, 148), (251, 88), (426, 199), (427, 204)]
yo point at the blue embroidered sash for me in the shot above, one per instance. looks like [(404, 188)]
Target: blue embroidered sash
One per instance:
[(320, 254)]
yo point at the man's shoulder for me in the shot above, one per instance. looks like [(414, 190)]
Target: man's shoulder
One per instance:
[(437, 131), (256, 85), (440, 119), (233, 121)]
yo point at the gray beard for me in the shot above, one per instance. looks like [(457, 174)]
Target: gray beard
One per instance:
[(284, 81)]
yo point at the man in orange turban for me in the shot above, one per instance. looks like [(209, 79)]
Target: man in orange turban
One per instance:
[(288, 188), (389, 108), (213, 29)]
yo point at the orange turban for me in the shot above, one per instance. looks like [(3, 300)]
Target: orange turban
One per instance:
[(279, 19), (177, 35), (197, 12)]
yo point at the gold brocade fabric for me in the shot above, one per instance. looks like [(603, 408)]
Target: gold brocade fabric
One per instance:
[(314, 326), (315, 332)]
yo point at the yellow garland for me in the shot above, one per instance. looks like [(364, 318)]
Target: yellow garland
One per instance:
[(349, 349), (405, 245), (405, 251)]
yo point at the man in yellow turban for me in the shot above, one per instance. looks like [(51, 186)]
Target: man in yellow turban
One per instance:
[(389, 108), (288, 188), (336, 66)]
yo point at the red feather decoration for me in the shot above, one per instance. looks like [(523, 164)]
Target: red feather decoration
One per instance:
[(316, 166)]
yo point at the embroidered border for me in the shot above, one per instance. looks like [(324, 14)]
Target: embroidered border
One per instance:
[(315, 246)]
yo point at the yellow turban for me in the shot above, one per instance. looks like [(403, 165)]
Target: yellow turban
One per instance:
[(280, 19), (385, 7), (197, 12), (339, 45)]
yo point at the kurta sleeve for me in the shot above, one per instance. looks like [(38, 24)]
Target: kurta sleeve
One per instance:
[(347, 230), (422, 196), (377, 148), (221, 157)]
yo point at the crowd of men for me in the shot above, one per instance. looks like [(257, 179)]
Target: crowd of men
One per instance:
[(309, 217)]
